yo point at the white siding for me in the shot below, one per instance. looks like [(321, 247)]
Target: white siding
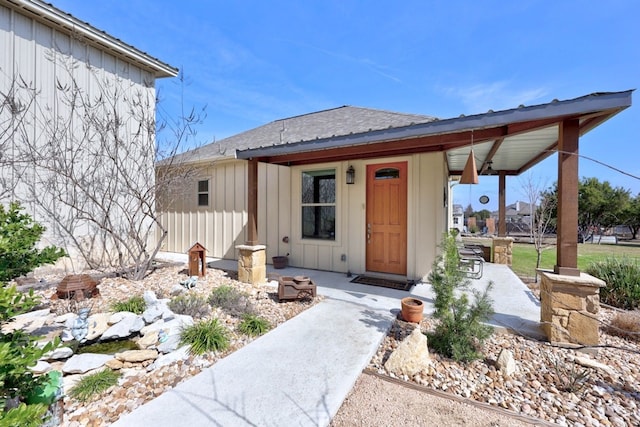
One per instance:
[(44, 58)]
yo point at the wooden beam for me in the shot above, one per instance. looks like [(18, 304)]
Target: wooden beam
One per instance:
[(502, 205), (567, 244), (492, 152), (252, 202)]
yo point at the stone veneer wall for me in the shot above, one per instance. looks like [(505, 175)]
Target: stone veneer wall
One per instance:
[(502, 250), (570, 306), (252, 264)]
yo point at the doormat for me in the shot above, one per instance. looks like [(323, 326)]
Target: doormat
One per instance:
[(382, 282)]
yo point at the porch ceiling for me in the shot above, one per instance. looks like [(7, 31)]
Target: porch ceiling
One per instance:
[(512, 140)]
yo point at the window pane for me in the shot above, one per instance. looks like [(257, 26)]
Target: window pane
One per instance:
[(203, 186), (319, 186), (388, 173), (203, 199), (319, 222)]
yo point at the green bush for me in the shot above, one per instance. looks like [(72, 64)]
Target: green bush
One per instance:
[(134, 304), (18, 352), (231, 300), (204, 336), (253, 325), (460, 332), (622, 276), (190, 304), (94, 384), (18, 237)]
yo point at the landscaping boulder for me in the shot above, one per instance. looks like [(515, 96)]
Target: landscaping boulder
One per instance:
[(506, 363), (81, 363), (134, 356), (167, 359), (411, 356), (98, 324), (124, 328)]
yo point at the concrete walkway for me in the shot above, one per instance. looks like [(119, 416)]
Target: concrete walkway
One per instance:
[(299, 373)]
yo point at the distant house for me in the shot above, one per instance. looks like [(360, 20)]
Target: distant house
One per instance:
[(518, 216), (457, 218), (61, 80), (354, 189)]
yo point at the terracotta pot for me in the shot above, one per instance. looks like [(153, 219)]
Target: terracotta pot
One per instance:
[(412, 309)]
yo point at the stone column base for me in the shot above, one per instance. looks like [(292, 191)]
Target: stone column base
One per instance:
[(569, 307), (502, 250), (252, 267)]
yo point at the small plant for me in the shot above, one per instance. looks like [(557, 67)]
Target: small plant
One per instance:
[(568, 376), (626, 324), (18, 237), (134, 304), (94, 384), (231, 300), (622, 276), (191, 304), (253, 325), (460, 331), (204, 336)]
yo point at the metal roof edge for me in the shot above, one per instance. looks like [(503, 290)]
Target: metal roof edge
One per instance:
[(70, 24), (584, 104)]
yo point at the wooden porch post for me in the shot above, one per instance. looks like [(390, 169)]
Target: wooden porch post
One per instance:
[(502, 203), (252, 202), (567, 245)]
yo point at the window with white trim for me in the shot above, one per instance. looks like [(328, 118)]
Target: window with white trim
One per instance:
[(319, 204), (203, 192)]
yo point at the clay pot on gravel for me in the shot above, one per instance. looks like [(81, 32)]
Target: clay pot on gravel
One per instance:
[(412, 309)]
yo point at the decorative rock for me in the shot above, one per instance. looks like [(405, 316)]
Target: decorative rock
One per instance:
[(114, 364), (58, 353), (119, 316), (81, 363), (168, 359), (506, 363), (170, 344), (590, 363), (148, 340), (150, 298), (152, 314), (63, 318), (66, 335), (98, 324), (124, 328), (136, 355), (41, 367), (411, 356), (171, 327)]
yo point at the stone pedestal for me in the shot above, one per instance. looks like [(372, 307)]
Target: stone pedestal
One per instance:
[(569, 307), (502, 250), (252, 264)]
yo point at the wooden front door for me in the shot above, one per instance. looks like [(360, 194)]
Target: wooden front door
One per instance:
[(387, 218)]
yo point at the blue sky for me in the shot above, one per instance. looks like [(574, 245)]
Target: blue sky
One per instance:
[(252, 62)]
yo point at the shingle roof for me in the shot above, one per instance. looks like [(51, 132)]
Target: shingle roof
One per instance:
[(339, 121)]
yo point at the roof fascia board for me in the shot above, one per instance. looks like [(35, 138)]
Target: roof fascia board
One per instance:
[(70, 24), (615, 101)]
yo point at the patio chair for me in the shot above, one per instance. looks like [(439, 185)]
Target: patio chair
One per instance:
[(472, 266)]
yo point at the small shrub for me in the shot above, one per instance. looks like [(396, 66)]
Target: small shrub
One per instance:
[(567, 376), (204, 336), (19, 235), (94, 384), (460, 331), (622, 276), (626, 324), (190, 304), (134, 304), (253, 325), (231, 300)]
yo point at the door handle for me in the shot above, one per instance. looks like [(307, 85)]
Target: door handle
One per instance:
[(368, 233)]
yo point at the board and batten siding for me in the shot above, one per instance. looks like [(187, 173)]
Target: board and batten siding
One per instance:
[(46, 58), (220, 226)]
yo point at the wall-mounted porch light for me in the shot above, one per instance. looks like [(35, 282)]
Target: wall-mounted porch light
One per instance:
[(351, 175)]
